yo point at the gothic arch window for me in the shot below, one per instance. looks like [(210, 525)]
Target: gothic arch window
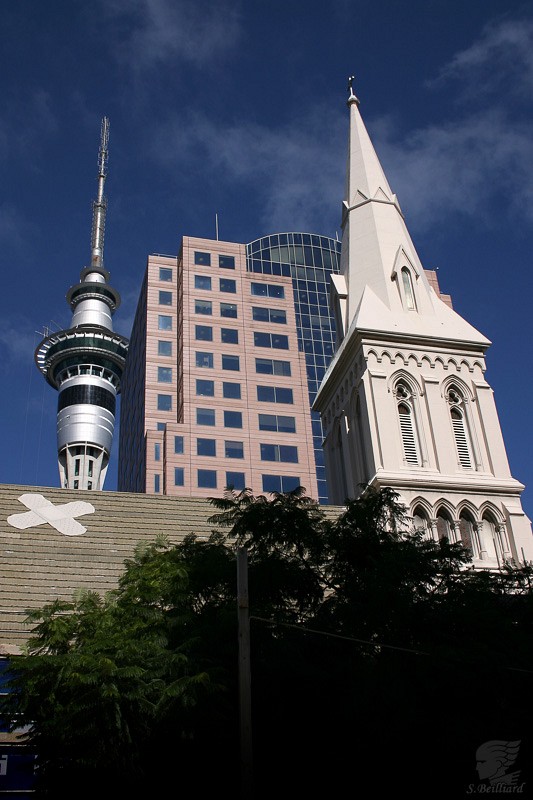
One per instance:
[(470, 534), (445, 526), (408, 427), (494, 538), (421, 521), (459, 421), (408, 290)]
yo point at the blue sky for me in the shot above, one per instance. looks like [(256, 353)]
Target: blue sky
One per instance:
[(238, 108)]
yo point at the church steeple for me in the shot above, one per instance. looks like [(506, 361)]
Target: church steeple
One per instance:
[(382, 275), (405, 403)]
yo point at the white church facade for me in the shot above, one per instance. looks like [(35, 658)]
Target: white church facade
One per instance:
[(405, 403)]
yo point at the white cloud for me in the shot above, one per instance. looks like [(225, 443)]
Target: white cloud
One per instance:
[(462, 166), (295, 170), (150, 32), (500, 60)]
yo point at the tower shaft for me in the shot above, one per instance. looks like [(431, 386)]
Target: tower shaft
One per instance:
[(85, 362)]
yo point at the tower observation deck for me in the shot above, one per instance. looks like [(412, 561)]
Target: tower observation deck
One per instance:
[(85, 362)]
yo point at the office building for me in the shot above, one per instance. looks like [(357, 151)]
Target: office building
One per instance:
[(227, 345)]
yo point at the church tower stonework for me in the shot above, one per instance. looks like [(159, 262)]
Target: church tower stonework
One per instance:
[(405, 403)]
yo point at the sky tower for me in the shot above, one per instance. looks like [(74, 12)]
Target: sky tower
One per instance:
[(85, 362)]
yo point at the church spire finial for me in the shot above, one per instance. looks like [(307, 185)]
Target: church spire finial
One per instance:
[(351, 97)]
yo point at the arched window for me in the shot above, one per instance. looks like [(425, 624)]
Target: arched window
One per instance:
[(494, 538), (421, 522), (470, 534), (459, 426), (445, 527), (411, 449), (408, 291)]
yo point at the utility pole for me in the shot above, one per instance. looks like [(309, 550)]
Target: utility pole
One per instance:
[(245, 696)]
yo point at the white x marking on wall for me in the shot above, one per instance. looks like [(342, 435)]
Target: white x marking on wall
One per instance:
[(59, 517)]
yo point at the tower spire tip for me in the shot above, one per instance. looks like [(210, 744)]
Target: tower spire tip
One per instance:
[(351, 96)]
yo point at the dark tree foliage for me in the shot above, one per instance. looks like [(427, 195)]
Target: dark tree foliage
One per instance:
[(380, 661)]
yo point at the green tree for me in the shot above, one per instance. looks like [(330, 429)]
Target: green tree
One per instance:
[(371, 646)]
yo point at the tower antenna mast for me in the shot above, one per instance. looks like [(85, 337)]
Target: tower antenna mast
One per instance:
[(100, 204)]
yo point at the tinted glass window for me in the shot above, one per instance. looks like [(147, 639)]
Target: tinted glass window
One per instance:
[(229, 336), (207, 479), (164, 375), (203, 307), (202, 258), (178, 444), (164, 402), (164, 348), (164, 323), (228, 285), (206, 447), (234, 449), (228, 310), (235, 480), (205, 416), (227, 262), (204, 360), (179, 479), (231, 390), (205, 388), (203, 333), (230, 363), (165, 298), (165, 274), (202, 282), (232, 419)]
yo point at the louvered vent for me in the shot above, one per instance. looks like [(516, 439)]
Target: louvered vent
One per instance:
[(460, 439), (410, 450)]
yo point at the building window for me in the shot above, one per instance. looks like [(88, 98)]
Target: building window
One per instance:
[(205, 416), (226, 262), (157, 483), (164, 402), (233, 449), (269, 366), (277, 341), (229, 336), (275, 422), (164, 323), (178, 445), (202, 282), (165, 298), (231, 390), (231, 363), (165, 274), (157, 451), (161, 426), (228, 285), (235, 480), (164, 374), (232, 419), (260, 314), (228, 310), (202, 258), (280, 483), (460, 431), (164, 348), (179, 476), (204, 360), (205, 388), (207, 479), (203, 307), (279, 452), (268, 290), (274, 394), (206, 447), (203, 333), (408, 291), (404, 398)]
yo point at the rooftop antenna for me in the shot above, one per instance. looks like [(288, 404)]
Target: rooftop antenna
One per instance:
[(216, 224), (100, 204)]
